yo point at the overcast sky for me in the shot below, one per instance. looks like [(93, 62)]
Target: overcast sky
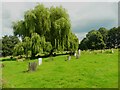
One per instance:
[(84, 16)]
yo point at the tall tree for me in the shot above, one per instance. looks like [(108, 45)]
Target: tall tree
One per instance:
[(19, 29), (47, 47), (95, 40), (118, 39), (36, 46), (73, 42), (42, 20), (0, 45), (29, 20), (8, 43), (60, 26), (84, 44), (18, 49), (52, 23), (27, 43), (104, 33), (112, 40)]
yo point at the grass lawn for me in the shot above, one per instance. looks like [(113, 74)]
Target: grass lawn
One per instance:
[(91, 70)]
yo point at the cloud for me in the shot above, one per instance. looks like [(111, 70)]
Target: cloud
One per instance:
[(13, 11), (81, 35), (7, 31), (84, 16), (94, 24)]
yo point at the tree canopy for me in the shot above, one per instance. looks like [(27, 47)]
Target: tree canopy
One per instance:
[(51, 24), (8, 43), (101, 39)]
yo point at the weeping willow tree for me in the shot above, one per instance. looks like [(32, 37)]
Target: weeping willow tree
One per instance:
[(73, 42), (36, 47), (51, 23), (27, 43), (60, 26), (18, 49)]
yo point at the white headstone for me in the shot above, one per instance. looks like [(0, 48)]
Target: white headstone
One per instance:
[(39, 61), (79, 51), (112, 51), (75, 54), (69, 57)]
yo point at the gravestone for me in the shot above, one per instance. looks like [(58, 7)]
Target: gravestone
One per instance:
[(69, 57), (79, 52), (75, 54), (112, 51), (39, 61), (32, 66)]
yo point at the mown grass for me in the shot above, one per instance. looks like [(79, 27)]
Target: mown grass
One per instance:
[(91, 70)]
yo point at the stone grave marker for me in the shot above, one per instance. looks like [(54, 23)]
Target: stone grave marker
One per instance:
[(39, 61), (32, 66), (75, 54), (112, 51), (69, 57), (79, 52)]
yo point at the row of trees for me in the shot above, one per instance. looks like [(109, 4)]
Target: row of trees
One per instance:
[(43, 29), (101, 39)]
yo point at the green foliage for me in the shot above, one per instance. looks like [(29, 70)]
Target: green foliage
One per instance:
[(27, 43), (104, 33), (118, 37), (84, 44), (36, 46), (19, 29), (8, 43), (73, 42), (0, 45), (18, 49), (60, 26), (31, 46), (47, 47), (101, 39), (113, 38), (93, 40), (51, 23), (42, 20)]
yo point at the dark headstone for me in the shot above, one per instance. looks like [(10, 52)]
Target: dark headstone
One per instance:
[(77, 56), (32, 66)]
